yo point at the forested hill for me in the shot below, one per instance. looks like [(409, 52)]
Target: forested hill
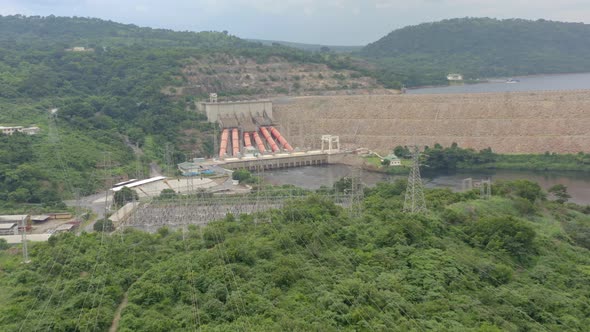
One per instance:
[(93, 32), (485, 47), (115, 84), (515, 262)]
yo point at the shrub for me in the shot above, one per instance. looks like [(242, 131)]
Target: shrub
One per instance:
[(167, 194), (521, 188), (504, 234), (241, 175), (103, 225)]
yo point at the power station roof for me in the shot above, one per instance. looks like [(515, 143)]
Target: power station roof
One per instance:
[(13, 218), (238, 102), (7, 226), (139, 183), (391, 157), (16, 239)]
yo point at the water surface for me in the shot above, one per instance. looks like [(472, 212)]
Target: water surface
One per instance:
[(313, 177), (527, 83)]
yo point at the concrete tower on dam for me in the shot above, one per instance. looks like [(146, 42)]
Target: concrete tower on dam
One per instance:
[(524, 122)]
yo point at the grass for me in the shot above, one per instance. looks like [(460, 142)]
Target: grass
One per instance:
[(9, 261), (373, 160)]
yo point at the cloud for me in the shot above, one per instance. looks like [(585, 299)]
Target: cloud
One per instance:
[(314, 21)]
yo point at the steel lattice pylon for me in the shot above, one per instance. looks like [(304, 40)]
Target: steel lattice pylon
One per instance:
[(356, 193), (414, 202)]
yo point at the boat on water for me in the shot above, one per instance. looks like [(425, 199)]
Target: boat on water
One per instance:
[(512, 81)]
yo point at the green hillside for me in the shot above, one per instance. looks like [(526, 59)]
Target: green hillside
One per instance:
[(107, 94), (515, 262), (481, 47)]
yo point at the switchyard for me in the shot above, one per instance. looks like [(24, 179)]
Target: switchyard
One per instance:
[(199, 210)]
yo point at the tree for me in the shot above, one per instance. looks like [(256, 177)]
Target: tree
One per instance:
[(167, 194), (560, 192), (124, 196), (104, 225), (509, 234), (343, 185), (402, 152), (522, 188), (241, 175)]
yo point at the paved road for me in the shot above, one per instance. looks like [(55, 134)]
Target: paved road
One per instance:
[(95, 203), (155, 170)]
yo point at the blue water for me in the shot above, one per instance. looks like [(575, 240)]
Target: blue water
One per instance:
[(527, 83)]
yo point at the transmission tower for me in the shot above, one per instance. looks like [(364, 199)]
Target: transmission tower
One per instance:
[(168, 154), (108, 178), (485, 189), (414, 202), (262, 201), (216, 132), (138, 168), (24, 240), (356, 193)]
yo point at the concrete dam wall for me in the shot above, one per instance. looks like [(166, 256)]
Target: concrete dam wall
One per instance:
[(527, 122)]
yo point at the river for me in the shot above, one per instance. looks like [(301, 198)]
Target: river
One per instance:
[(527, 83), (313, 177)]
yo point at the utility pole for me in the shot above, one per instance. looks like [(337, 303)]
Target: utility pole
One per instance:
[(414, 201)]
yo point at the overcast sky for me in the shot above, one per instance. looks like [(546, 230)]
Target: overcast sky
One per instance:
[(332, 22)]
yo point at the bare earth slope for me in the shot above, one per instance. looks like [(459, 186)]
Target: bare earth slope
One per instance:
[(531, 122), (241, 76)]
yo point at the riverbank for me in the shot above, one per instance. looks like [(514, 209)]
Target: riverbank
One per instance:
[(534, 162), (511, 162)]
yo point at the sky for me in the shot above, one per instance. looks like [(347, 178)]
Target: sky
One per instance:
[(328, 22)]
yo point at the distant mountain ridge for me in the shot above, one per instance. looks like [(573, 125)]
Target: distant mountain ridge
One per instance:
[(81, 31), (311, 47), (485, 47)]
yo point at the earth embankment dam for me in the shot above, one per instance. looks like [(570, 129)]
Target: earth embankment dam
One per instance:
[(522, 122)]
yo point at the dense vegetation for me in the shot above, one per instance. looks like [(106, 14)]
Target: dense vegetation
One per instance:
[(480, 47), (21, 174), (439, 158), (515, 262)]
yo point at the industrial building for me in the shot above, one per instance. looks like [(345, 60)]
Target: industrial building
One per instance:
[(19, 129), (10, 224), (17, 239), (250, 138), (9, 229), (153, 187), (393, 160), (247, 128)]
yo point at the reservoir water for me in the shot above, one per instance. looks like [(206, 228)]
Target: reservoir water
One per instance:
[(526, 83), (313, 177)]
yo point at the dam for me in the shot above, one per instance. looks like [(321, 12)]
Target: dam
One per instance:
[(519, 122)]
